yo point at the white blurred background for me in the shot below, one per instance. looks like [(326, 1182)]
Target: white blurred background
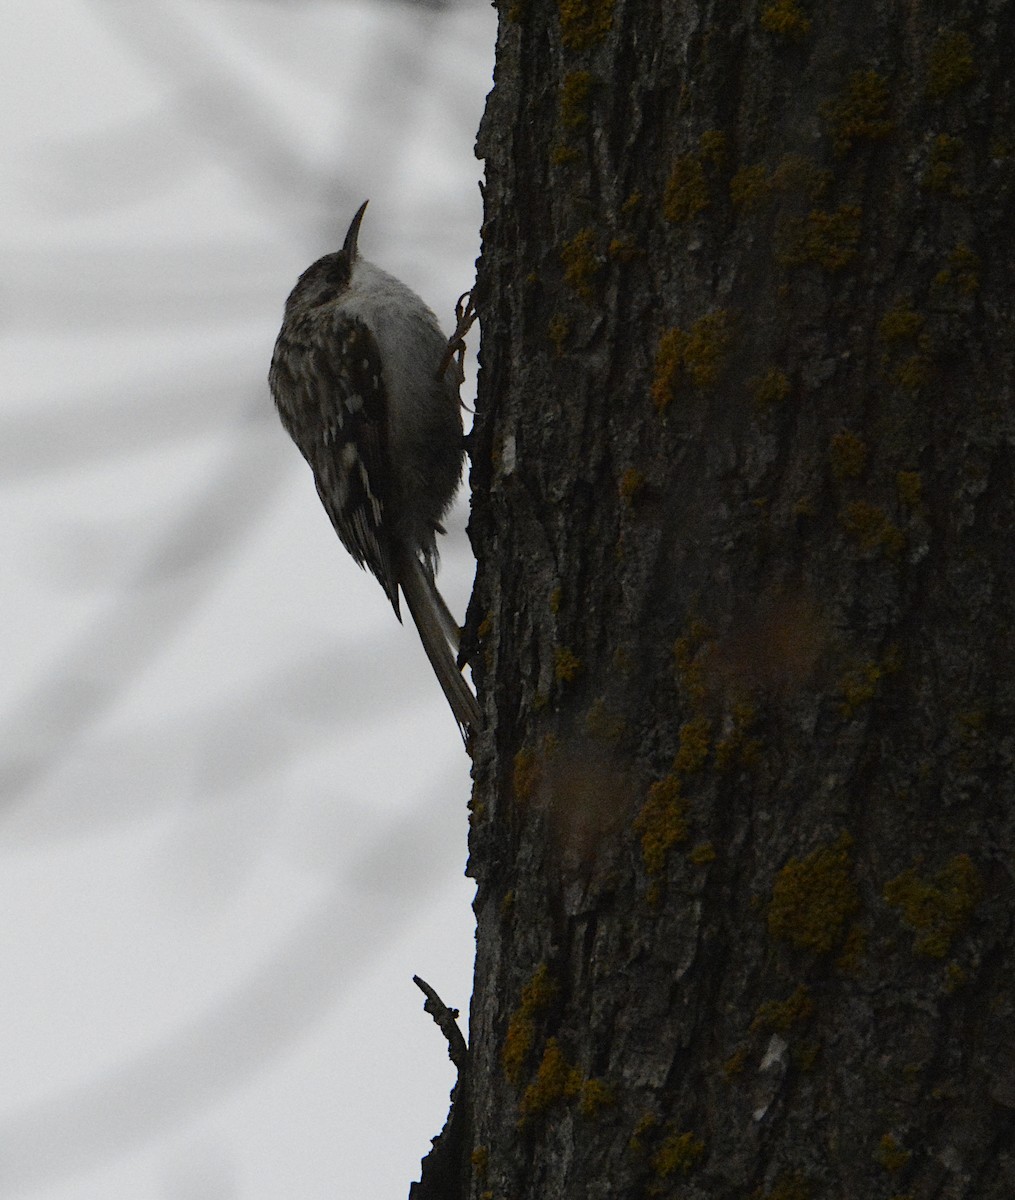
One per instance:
[(232, 797)]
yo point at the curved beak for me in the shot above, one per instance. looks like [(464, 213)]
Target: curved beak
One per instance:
[(349, 245)]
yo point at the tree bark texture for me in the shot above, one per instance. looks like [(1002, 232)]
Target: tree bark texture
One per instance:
[(744, 818)]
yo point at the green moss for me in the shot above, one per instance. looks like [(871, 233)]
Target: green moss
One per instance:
[(679, 1152), (848, 456), (824, 239), (556, 596), (782, 1015), (686, 191), (909, 486), (694, 745), (661, 823), (581, 263), (566, 665), (785, 18), (771, 388), (584, 23), (559, 330), (749, 187), (813, 898), (872, 529), (942, 173), (860, 113), (936, 909), (891, 1155), (950, 65), (574, 99)]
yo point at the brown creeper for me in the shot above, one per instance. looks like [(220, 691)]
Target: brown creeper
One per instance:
[(357, 378)]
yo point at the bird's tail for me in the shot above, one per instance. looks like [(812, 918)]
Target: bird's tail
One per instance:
[(437, 632)]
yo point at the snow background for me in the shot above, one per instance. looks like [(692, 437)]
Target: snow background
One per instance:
[(232, 797)]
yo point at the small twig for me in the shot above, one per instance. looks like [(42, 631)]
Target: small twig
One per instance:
[(447, 1021)]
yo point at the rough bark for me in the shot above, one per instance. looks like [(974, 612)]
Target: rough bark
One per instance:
[(743, 500)]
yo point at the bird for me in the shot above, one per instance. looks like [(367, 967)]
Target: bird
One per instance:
[(367, 386)]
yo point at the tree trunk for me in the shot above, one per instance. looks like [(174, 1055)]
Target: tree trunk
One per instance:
[(743, 819)]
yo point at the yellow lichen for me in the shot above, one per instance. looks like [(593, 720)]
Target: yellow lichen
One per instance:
[(705, 349), (771, 388), (699, 354), (632, 484), (848, 455), (686, 190), (749, 188), (679, 1152), (712, 147), (799, 173), (859, 114), (581, 263), (942, 174), (962, 272), (909, 485), (782, 1015), (936, 909), (555, 1080), (891, 1155), (537, 995), (480, 1159), (646, 1123), (566, 664), (859, 687), (825, 239), (574, 99), (661, 823), (702, 854), (595, 1096), (900, 323), (786, 18), (813, 897), (950, 65), (559, 330), (526, 775), (872, 529), (584, 23), (694, 745), (669, 357), (735, 1064), (563, 155)]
